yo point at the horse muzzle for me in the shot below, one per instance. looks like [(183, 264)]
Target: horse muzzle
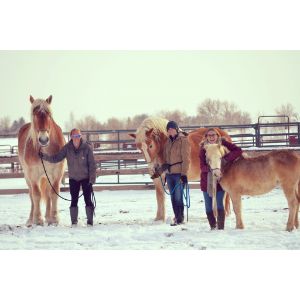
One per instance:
[(44, 139), (217, 173)]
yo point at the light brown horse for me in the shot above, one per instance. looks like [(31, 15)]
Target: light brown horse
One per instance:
[(259, 175), (151, 137), (41, 132)]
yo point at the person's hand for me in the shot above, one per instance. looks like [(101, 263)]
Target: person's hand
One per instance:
[(164, 167), (183, 178)]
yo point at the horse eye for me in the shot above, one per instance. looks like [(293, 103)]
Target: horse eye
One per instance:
[(150, 146)]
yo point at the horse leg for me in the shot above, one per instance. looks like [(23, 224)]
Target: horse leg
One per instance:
[(297, 210), (53, 198), (30, 219), (48, 205), (227, 204), (292, 200), (160, 198), (237, 208), (36, 198), (296, 216)]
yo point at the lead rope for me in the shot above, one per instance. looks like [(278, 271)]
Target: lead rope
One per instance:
[(186, 194), (54, 188)]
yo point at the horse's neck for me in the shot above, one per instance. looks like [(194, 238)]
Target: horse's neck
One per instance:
[(163, 143)]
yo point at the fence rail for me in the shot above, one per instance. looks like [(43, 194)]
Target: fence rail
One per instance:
[(116, 155)]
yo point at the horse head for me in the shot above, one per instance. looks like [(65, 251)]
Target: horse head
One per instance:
[(41, 116), (214, 154), (152, 145)]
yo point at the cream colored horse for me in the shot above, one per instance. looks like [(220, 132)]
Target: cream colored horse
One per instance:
[(258, 175), (151, 137), (41, 132)]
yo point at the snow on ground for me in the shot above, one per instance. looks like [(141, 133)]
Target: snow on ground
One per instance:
[(124, 220)]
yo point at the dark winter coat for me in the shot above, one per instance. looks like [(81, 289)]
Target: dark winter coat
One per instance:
[(81, 163), (234, 153)]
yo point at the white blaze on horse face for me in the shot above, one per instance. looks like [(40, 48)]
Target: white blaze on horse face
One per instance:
[(146, 154), (144, 148), (214, 157)]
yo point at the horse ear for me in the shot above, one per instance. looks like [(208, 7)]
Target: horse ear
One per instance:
[(133, 135), (49, 99), (31, 99), (149, 132)]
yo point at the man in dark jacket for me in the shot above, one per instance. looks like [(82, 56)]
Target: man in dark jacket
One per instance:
[(82, 172)]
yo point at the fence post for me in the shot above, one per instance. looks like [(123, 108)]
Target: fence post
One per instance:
[(298, 133), (257, 135), (119, 165)]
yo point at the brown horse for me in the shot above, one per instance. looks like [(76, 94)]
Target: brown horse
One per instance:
[(41, 132), (257, 176), (151, 137)]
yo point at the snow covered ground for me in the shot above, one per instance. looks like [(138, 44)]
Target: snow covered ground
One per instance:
[(124, 220)]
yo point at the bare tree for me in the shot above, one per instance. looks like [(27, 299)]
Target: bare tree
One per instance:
[(214, 112), (4, 125), (287, 110)]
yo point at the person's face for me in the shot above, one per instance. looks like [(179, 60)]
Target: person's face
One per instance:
[(76, 137), (212, 137), (172, 132)]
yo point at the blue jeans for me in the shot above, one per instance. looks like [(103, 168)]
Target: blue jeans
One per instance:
[(176, 197), (208, 201)]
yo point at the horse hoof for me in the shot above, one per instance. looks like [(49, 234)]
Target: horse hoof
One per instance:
[(53, 224), (39, 222)]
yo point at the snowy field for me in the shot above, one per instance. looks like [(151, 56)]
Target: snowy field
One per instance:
[(124, 220)]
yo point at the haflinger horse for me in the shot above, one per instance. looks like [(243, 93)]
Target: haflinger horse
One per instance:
[(151, 137), (258, 175), (41, 132)]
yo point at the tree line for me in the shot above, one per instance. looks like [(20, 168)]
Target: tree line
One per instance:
[(208, 112)]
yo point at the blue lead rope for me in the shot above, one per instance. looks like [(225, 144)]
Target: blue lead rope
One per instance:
[(185, 190)]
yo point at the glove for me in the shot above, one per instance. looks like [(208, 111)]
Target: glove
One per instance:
[(183, 178), (164, 167)]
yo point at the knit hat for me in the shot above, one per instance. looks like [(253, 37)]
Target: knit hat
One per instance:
[(172, 124)]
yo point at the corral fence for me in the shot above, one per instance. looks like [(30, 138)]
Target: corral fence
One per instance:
[(120, 165)]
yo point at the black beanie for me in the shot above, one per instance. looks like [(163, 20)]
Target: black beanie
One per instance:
[(172, 124)]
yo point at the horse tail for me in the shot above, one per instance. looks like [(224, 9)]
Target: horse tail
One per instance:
[(227, 204), (43, 187)]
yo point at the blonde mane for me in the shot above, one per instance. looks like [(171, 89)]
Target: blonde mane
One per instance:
[(44, 106), (158, 124)]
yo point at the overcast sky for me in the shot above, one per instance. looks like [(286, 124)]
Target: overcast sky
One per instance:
[(125, 83)]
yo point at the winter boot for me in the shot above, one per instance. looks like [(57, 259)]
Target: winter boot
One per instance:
[(180, 215), (221, 218), (89, 214), (211, 220), (74, 214)]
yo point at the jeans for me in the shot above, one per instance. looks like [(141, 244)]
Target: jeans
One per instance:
[(208, 201), (75, 188), (176, 197)]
